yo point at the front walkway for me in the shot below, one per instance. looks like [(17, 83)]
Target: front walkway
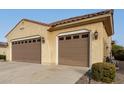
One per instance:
[(27, 73)]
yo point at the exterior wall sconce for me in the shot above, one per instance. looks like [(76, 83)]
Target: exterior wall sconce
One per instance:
[(96, 35), (43, 40)]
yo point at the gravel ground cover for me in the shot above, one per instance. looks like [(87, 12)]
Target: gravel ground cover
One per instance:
[(119, 79)]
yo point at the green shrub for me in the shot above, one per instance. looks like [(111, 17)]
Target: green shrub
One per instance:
[(104, 72), (115, 48), (3, 57), (119, 55), (118, 52)]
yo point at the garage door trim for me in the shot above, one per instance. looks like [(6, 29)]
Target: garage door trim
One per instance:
[(27, 37), (70, 33)]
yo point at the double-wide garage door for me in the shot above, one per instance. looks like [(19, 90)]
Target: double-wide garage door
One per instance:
[(28, 50), (74, 49)]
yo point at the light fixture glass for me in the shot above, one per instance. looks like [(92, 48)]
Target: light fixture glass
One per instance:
[(43, 40)]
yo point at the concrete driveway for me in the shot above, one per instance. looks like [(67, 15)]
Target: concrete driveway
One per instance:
[(29, 73)]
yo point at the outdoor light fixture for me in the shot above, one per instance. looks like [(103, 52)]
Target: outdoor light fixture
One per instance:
[(43, 40), (96, 35)]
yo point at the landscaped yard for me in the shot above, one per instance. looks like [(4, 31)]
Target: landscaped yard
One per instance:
[(119, 79)]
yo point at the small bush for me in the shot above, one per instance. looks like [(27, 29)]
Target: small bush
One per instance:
[(3, 57), (119, 55), (104, 72)]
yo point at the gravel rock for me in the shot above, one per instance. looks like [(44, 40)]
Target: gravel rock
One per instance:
[(119, 79)]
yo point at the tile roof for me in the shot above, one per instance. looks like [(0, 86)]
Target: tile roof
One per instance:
[(73, 19), (69, 20)]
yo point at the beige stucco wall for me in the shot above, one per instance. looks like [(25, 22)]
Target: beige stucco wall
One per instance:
[(106, 43), (30, 29), (96, 45), (49, 48), (3, 50)]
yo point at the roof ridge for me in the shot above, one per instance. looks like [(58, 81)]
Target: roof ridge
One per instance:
[(71, 18), (42, 23)]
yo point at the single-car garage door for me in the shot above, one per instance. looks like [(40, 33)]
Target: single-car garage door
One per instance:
[(74, 49), (28, 50)]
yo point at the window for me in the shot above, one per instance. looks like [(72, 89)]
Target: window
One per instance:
[(38, 40), (68, 37), (12, 43), (25, 41), (18, 42), (61, 38), (15, 42), (84, 36), (75, 36), (22, 42), (34, 40), (29, 41)]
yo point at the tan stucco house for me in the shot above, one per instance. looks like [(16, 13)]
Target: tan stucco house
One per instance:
[(77, 41)]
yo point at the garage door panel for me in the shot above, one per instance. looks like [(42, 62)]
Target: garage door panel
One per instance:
[(73, 58), (74, 52), (73, 44), (27, 52), (70, 62), (71, 53), (72, 48)]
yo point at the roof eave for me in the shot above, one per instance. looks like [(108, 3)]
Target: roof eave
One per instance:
[(107, 17), (35, 22)]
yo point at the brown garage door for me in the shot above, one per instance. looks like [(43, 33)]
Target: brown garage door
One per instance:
[(27, 50), (74, 50)]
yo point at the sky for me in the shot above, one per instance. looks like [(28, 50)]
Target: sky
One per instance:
[(10, 17)]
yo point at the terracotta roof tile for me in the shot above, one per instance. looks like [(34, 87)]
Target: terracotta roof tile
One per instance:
[(80, 17), (72, 19)]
